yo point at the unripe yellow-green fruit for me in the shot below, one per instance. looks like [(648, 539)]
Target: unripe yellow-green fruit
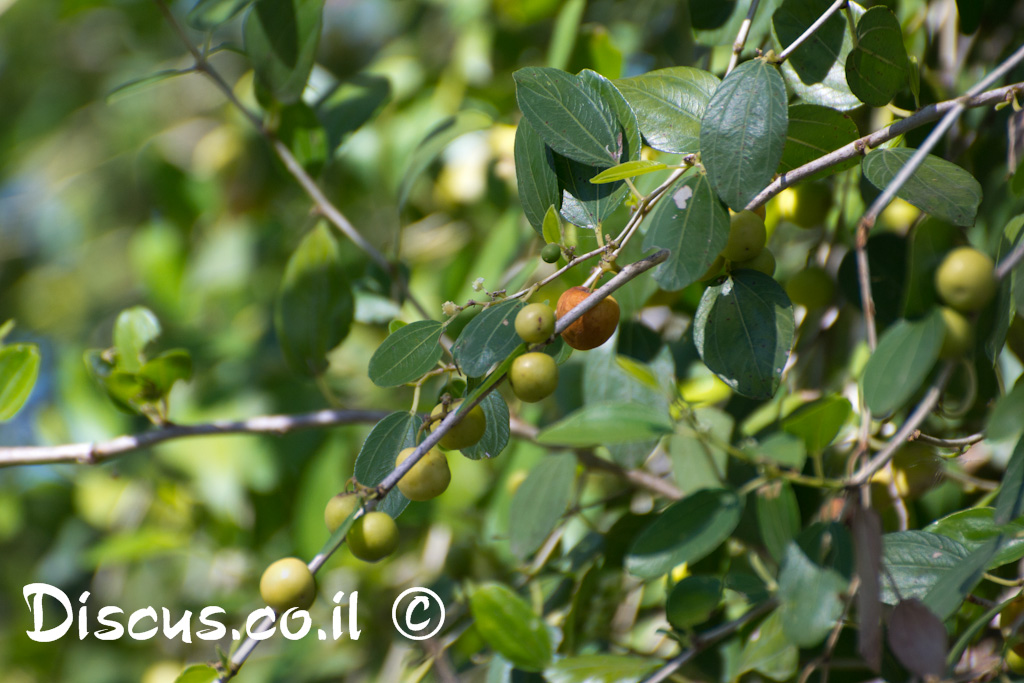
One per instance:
[(338, 509), (959, 335), (809, 206), (764, 262), (747, 237), (467, 432), (535, 323), (812, 288), (428, 478), (533, 376), (374, 536), (715, 269), (1008, 617), (594, 327), (288, 583), (966, 279)]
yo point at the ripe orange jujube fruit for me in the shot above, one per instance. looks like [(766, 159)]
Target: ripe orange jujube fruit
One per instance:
[(595, 326)]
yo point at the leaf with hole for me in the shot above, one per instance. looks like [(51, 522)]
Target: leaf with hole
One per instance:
[(693, 225)]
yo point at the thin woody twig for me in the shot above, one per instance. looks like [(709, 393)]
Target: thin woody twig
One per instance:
[(741, 37), (812, 29)]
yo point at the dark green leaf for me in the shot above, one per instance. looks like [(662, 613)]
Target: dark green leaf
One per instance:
[(955, 584), (691, 223), (606, 423), (818, 422), (816, 72), (281, 37), (1004, 423), (351, 104), (914, 561), (209, 14), (744, 331), (315, 305), (778, 517), (440, 136), (496, 435), (685, 532), (769, 652), (743, 132), (376, 459), (938, 187), (488, 339), (930, 241), (406, 354), (570, 116), (995, 318), (19, 367), (505, 621), (693, 600), (535, 175), (717, 23), (166, 369), (584, 203), (1010, 500), (974, 527), (198, 673), (813, 132), (669, 105), (539, 502), (134, 329), (601, 669), (809, 598), (877, 67), (899, 366), (887, 261)]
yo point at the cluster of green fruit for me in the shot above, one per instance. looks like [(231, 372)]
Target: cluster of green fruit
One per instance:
[(288, 583), (966, 282)]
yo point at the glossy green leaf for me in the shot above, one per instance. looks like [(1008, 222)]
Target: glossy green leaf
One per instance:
[(134, 329), (813, 132), (376, 459), (406, 354), (601, 669), (539, 502), (693, 225), (488, 339), (431, 146), (669, 105), (281, 37), (743, 132), (768, 651), (630, 169), (693, 600), (937, 187), (778, 517), (535, 176), (351, 104), (507, 623), (495, 437), (570, 116), (899, 366), (19, 367), (584, 203), (209, 14), (1004, 423), (315, 306), (954, 585), (166, 369), (1010, 500), (816, 71), (743, 332), (914, 561), (685, 532), (974, 527), (877, 67), (819, 422), (809, 598), (606, 423)]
